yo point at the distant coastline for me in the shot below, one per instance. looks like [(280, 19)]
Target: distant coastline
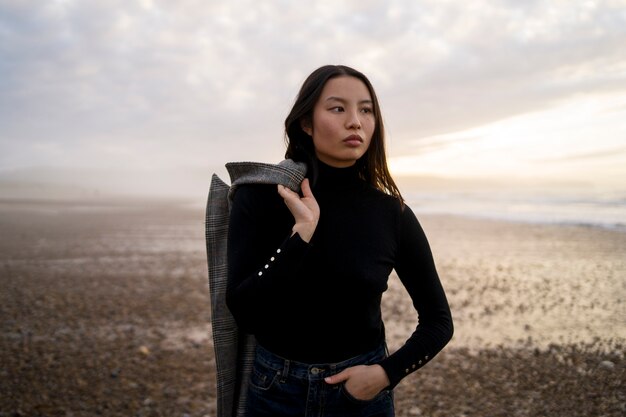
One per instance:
[(556, 201), (574, 208)]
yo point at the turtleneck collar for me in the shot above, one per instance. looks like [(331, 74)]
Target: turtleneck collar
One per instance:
[(332, 177)]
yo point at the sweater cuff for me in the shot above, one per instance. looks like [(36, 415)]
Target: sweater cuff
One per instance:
[(401, 364)]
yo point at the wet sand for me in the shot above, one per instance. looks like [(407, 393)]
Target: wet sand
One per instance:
[(104, 311)]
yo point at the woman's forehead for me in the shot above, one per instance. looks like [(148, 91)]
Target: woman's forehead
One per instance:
[(345, 88)]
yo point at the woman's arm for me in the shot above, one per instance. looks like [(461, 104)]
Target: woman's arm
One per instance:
[(262, 250), (416, 269)]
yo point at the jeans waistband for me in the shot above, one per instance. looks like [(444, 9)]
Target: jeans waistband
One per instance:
[(316, 371)]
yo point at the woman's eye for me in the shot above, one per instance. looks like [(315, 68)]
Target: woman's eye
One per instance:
[(337, 109), (367, 110)]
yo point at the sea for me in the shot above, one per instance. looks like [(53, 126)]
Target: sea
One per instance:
[(593, 208), (604, 209)]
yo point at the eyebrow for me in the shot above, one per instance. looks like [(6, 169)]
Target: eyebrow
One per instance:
[(343, 100)]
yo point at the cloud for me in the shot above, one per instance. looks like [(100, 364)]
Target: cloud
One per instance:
[(161, 84), (497, 61), (617, 152), (579, 141)]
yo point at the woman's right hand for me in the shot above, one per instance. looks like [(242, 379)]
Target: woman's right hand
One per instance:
[(305, 210)]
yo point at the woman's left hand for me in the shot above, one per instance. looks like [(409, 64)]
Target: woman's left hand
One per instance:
[(363, 382)]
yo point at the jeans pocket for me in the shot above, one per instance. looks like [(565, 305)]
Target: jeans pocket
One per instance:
[(263, 377), (353, 400)]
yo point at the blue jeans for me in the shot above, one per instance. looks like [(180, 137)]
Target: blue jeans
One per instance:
[(280, 387)]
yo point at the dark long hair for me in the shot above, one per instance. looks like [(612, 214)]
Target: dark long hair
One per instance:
[(372, 166)]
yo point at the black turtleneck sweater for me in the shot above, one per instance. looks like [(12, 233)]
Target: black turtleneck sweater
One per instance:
[(319, 302)]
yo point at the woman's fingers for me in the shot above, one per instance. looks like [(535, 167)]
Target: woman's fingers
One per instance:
[(284, 191), (291, 197), (306, 188)]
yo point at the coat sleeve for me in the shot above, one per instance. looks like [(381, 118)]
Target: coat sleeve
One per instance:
[(416, 269)]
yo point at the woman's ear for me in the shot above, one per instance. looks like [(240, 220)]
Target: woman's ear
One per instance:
[(305, 124)]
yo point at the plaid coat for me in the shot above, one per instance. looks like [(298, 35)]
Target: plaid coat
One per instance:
[(234, 350)]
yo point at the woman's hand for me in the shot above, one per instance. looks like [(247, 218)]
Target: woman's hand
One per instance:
[(305, 210), (363, 382)]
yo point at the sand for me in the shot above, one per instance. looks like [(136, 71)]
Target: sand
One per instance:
[(104, 311)]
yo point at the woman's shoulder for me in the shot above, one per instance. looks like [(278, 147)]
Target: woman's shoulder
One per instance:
[(257, 196), (382, 197)]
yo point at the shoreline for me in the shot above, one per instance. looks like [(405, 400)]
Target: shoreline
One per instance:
[(613, 227), (120, 203)]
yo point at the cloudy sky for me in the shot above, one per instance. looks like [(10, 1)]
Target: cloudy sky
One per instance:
[(151, 97)]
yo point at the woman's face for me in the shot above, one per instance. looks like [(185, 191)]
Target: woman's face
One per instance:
[(343, 122)]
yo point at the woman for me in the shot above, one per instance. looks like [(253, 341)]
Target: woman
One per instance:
[(307, 272)]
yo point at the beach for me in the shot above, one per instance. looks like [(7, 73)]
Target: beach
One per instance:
[(105, 311)]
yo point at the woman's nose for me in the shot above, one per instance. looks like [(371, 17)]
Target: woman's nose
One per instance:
[(353, 121)]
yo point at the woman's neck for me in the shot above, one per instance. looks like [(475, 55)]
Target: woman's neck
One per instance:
[(329, 176)]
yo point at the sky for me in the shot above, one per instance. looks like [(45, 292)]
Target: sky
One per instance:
[(151, 97)]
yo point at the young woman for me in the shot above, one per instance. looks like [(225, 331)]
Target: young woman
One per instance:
[(307, 271)]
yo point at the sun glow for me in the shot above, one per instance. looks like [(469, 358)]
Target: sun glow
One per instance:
[(582, 139)]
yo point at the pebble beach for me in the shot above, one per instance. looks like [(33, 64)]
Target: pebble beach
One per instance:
[(104, 311)]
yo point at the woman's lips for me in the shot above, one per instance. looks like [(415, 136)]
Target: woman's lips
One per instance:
[(353, 140)]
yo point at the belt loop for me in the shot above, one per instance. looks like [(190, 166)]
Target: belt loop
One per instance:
[(283, 377)]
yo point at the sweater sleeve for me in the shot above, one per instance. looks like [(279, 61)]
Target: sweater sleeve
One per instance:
[(262, 252), (416, 269)]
